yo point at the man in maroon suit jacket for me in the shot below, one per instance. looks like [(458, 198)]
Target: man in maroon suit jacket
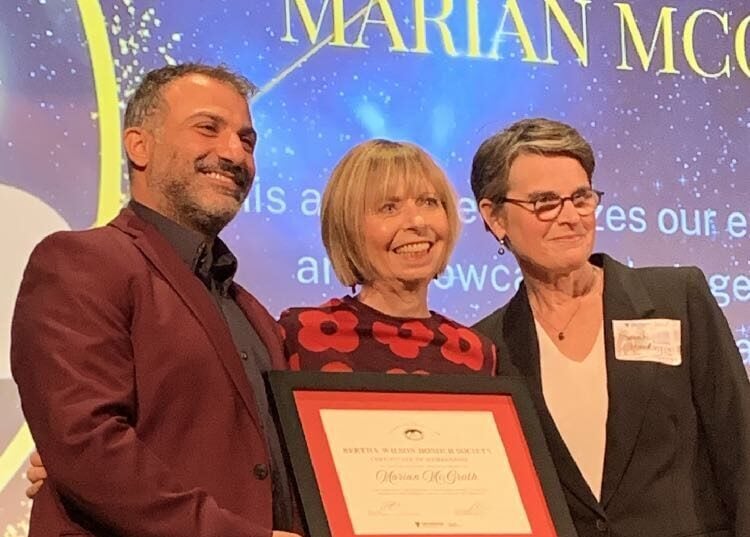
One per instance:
[(137, 358)]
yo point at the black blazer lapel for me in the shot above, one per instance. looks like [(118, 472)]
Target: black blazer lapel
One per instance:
[(629, 383), (192, 292), (522, 349)]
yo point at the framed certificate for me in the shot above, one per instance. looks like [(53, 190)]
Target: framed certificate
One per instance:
[(409, 455)]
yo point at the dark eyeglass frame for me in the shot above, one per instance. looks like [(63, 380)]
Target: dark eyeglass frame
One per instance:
[(560, 202)]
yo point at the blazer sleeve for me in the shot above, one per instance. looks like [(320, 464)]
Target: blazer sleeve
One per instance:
[(722, 398), (72, 358)]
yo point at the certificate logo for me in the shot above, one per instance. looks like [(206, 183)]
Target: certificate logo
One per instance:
[(413, 434)]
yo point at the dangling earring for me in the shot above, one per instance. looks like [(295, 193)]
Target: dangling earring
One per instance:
[(501, 249), (354, 289)]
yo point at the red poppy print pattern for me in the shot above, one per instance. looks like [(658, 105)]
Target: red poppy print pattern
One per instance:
[(337, 367), (462, 346), (322, 331), (346, 335), (405, 340)]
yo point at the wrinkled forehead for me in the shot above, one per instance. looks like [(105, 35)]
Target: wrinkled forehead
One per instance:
[(542, 172)]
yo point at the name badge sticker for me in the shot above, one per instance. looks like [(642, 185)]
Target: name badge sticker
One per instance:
[(648, 340)]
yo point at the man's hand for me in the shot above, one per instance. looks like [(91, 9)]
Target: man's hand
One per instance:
[(36, 473)]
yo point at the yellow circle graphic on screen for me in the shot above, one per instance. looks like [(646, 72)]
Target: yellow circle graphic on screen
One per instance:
[(109, 192)]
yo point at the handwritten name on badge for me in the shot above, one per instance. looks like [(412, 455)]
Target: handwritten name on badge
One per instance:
[(648, 340)]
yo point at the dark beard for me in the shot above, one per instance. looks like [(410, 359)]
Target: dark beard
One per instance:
[(193, 216), (182, 206), (239, 174)]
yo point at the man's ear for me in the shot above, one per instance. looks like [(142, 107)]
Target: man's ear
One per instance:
[(138, 145), (494, 218)]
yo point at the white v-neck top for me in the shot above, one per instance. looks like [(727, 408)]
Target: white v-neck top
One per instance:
[(576, 396)]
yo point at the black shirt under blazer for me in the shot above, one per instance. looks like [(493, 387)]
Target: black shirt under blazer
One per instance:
[(677, 459)]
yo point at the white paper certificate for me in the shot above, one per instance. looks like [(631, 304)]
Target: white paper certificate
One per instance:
[(420, 472)]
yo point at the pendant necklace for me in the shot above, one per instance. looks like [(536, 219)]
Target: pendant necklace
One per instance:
[(561, 331)]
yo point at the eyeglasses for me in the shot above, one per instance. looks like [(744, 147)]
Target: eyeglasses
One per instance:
[(549, 207)]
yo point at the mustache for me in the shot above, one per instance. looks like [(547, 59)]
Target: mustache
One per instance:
[(240, 174)]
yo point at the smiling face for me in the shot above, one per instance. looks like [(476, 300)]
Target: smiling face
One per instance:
[(558, 246), (388, 214), (406, 236), (195, 154)]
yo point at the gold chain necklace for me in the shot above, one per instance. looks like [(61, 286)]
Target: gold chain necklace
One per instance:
[(561, 331)]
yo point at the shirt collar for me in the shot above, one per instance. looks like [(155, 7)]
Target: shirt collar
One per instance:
[(210, 260)]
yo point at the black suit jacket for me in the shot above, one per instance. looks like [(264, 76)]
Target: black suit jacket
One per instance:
[(677, 459)]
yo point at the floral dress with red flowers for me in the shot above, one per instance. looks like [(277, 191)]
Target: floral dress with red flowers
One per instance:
[(346, 335)]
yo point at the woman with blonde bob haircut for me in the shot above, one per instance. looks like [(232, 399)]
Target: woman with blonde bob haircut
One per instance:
[(366, 176), (389, 224)]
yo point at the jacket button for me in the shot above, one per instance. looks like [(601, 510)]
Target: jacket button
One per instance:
[(260, 471), (601, 525), (244, 355)]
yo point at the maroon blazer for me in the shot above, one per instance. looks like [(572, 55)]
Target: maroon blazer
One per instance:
[(134, 391)]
